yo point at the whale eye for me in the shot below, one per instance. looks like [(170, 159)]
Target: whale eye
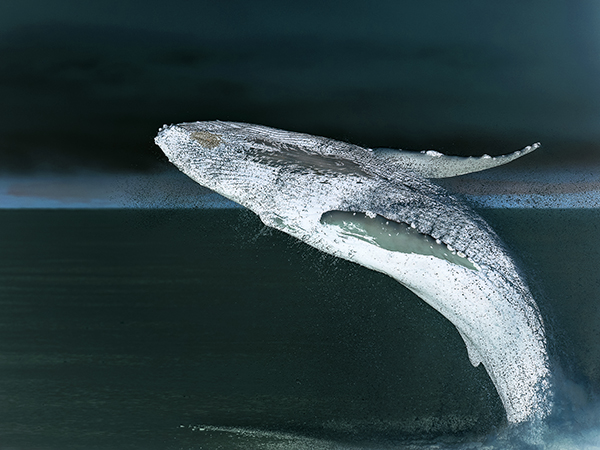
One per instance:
[(391, 235)]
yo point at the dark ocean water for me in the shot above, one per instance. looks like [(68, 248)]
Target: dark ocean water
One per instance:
[(86, 86), (202, 329)]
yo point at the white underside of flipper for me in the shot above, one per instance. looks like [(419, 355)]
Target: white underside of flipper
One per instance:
[(432, 164)]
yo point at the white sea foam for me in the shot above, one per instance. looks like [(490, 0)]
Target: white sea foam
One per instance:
[(512, 438)]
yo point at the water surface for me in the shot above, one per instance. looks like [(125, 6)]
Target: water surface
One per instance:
[(175, 329)]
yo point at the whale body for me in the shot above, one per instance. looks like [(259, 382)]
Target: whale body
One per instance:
[(380, 209)]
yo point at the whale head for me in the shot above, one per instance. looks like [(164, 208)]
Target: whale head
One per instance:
[(353, 203)]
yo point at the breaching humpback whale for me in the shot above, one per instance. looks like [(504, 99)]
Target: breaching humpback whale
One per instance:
[(380, 209)]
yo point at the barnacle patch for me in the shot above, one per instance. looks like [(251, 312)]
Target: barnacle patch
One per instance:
[(206, 139)]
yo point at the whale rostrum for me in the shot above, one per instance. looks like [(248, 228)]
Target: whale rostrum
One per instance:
[(380, 209)]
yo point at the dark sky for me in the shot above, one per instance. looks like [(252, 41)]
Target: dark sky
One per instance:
[(85, 85)]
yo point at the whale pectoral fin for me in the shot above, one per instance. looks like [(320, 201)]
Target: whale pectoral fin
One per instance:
[(432, 164), (392, 236), (473, 353)]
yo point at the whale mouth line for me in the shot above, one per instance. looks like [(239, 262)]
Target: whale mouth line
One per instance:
[(392, 235)]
